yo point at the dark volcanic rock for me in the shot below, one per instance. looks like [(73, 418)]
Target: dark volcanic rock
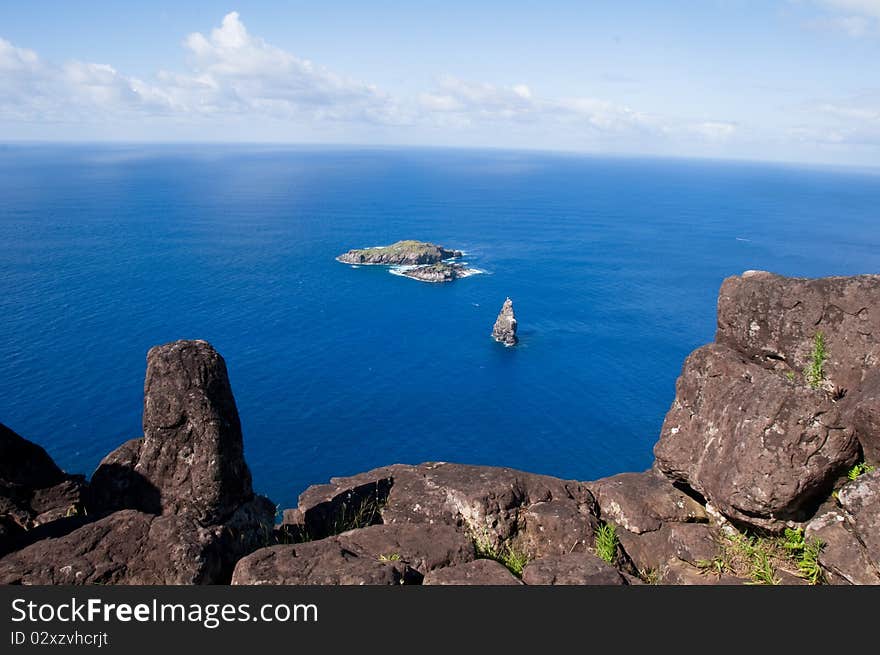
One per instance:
[(422, 547), (188, 512), (760, 448), (773, 320), (843, 557), (33, 490), (860, 499), (571, 569), (864, 408), (127, 547), (555, 527), (325, 562), (25, 463), (641, 502), (400, 253), (687, 542), (504, 330), (479, 572), (378, 554), (190, 459), (495, 506)]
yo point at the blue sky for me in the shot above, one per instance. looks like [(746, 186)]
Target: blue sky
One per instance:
[(792, 80)]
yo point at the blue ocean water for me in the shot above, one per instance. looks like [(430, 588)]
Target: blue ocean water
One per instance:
[(613, 265)]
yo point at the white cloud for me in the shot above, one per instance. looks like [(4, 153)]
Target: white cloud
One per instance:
[(231, 74), (247, 73), (856, 18)]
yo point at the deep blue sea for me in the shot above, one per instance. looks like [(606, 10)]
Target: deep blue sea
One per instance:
[(613, 265)]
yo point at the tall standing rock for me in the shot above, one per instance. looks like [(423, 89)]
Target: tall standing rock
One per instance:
[(192, 435), (173, 507), (504, 330), (190, 459)]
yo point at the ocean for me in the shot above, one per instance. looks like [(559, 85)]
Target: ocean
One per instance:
[(613, 265)]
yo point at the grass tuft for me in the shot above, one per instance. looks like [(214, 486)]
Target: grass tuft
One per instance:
[(815, 372), (606, 542), (485, 548)]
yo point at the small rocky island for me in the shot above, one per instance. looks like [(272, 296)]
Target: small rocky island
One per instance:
[(402, 253), (418, 260), (504, 330), (440, 272)]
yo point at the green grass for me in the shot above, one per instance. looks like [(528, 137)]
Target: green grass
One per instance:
[(514, 560), (808, 564), (759, 558), (805, 554), (746, 556), (606, 542), (763, 571), (860, 469), (815, 372), (790, 376), (485, 548)]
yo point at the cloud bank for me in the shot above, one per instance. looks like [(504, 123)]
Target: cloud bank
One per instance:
[(231, 73), (233, 85)]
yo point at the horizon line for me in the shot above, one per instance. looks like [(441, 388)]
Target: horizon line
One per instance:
[(789, 163)]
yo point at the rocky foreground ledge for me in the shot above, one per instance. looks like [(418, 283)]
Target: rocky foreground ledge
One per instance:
[(763, 473)]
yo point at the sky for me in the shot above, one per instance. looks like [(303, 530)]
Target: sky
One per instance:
[(777, 80)]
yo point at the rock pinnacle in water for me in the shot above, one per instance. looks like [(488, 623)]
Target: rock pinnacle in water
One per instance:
[(504, 330)]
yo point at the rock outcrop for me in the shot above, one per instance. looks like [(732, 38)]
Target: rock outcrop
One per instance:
[(496, 507), (192, 451), (174, 507), (504, 330), (762, 449), (378, 554), (772, 320), (34, 492), (402, 253)]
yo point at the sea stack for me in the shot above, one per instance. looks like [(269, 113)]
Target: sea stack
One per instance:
[(504, 330)]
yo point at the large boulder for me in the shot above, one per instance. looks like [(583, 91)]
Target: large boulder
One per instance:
[(497, 507), (774, 319), (131, 547), (642, 502), (191, 457), (690, 543), (763, 449), (378, 554)]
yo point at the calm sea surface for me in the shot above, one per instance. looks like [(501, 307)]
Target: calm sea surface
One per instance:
[(613, 266)]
